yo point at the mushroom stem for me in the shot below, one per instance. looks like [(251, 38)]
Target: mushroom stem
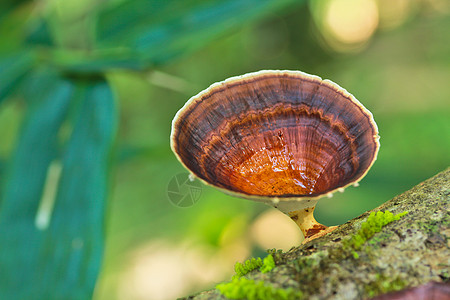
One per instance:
[(310, 228)]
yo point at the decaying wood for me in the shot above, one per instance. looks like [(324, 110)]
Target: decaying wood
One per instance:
[(409, 252)]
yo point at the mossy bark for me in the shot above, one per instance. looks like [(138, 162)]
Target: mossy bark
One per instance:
[(408, 252)]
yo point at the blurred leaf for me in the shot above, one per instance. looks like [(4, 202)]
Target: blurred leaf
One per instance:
[(2, 174), (60, 259), (138, 33), (39, 34), (13, 24), (12, 68), (73, 247), (96, 61), (115, 22), (7, 5), (49, 97)]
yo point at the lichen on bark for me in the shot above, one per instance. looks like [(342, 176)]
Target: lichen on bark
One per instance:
[(410, 251)]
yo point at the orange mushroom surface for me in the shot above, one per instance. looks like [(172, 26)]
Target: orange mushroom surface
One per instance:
[(277, 137)]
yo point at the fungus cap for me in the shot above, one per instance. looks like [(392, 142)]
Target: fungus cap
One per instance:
[(281, 137)]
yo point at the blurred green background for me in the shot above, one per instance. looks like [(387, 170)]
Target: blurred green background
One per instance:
[(88, 90)]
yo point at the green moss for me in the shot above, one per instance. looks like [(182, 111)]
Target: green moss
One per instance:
[(243, 288), (374, 223), (445, 275), (304, 264), (307, 272), (383, 285), (268, 264), (251, 264), (246, 267), (277, 255), (431, 226), (380, 238)]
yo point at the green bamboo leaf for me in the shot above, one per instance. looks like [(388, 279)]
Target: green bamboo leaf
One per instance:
[(96, 61), (73, 246), (51, 219), (7, 5), (131, 13), (137, 34), (49, 97), (2, 174), (179, 28), (39, 34), (13, 68)]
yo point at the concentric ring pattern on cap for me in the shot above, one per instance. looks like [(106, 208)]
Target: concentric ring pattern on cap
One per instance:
[(283, 134)]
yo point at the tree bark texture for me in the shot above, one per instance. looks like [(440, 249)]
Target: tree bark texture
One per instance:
[(409, 252)]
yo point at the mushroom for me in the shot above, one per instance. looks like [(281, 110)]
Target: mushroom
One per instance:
[(285, 138)]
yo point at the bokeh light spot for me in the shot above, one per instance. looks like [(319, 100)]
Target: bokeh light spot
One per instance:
[(351, 21), (393, 13), (273, 229)]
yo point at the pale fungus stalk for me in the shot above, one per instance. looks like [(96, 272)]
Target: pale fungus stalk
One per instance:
[(304, 218), (285, 138)]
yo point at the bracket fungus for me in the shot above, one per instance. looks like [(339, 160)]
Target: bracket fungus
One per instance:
[(285, 138)]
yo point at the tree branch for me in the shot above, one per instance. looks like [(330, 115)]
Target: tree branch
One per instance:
[(408, 252)]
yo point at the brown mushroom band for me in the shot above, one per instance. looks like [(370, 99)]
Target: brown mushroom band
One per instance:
[(276, 135)]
